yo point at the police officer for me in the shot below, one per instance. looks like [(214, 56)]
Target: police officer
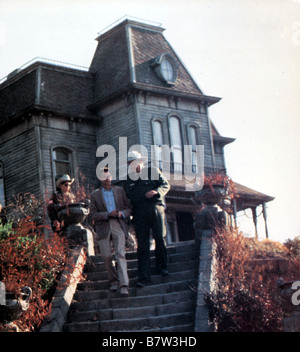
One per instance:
[(146, 188)]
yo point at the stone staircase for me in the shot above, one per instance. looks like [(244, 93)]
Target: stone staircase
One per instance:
[(168, 305)]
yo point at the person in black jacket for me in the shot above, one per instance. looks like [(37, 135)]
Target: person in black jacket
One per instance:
[(146, 188)]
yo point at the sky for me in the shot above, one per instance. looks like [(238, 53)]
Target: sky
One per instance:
[(246, 52)]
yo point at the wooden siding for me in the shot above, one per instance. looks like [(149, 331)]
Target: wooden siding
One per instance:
[(117, 123), (134, 121), (82, 145), (147, 112), (20, 162)]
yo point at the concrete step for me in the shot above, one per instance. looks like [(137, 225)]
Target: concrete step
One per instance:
[(139, 324), (176, 248), (161, 321), (176, 328), (134, 291), (133, 272), (157, 279), (98, 265), (131, 313), (134, 301), (166, 305)]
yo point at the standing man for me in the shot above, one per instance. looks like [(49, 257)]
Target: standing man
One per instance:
[(109, 208), (146, 188)]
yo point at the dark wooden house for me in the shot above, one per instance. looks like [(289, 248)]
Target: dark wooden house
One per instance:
[(54, 117)]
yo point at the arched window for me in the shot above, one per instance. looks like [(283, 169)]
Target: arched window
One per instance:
[(157, 130), (176, 142), (61, 162), (2, 189), (192, 135)]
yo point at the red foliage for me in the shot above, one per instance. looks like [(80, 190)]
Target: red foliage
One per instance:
[(82, 189), (245, 298), (221, 180), (28, 258)]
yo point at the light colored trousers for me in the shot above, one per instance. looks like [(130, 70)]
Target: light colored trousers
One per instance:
[(117, 237)]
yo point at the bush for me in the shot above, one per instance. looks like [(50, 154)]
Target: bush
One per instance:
[(28, 258), (245, 299), (293, 246), (5, 230)]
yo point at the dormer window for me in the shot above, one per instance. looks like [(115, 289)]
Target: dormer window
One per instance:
[(165, 68)]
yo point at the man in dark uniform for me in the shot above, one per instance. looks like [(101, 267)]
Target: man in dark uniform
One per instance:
[(146, 188)]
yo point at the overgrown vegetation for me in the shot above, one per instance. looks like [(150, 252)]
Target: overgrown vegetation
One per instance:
[(246, 298), (223, 180), (31, 255), (28, 258)]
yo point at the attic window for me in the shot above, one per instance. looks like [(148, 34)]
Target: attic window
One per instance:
[(165, 68)]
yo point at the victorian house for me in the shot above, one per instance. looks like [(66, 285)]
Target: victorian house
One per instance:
[(54, 116)]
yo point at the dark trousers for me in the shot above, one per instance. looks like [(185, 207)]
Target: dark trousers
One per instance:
[(146, 218)]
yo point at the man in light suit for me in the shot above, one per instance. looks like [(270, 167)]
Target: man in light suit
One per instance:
[(109, 208)]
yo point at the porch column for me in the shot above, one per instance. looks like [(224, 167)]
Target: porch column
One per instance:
[(265, 218), (234, 213), (254, 216)]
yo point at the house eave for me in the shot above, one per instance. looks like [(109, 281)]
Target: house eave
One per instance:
[(223, 140), (138, 87), (38, 109)]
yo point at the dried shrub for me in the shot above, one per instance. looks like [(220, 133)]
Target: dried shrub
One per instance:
[(223, 180), (28, 258), (25, 206), (293, 246), (245, 298), (82, 189)]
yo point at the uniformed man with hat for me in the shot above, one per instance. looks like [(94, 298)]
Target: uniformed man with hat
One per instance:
[(146, 188)]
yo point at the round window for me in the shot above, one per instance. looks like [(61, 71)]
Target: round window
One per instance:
[(167, 70)]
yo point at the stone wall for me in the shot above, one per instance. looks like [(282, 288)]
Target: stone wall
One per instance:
[(65, 291)]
